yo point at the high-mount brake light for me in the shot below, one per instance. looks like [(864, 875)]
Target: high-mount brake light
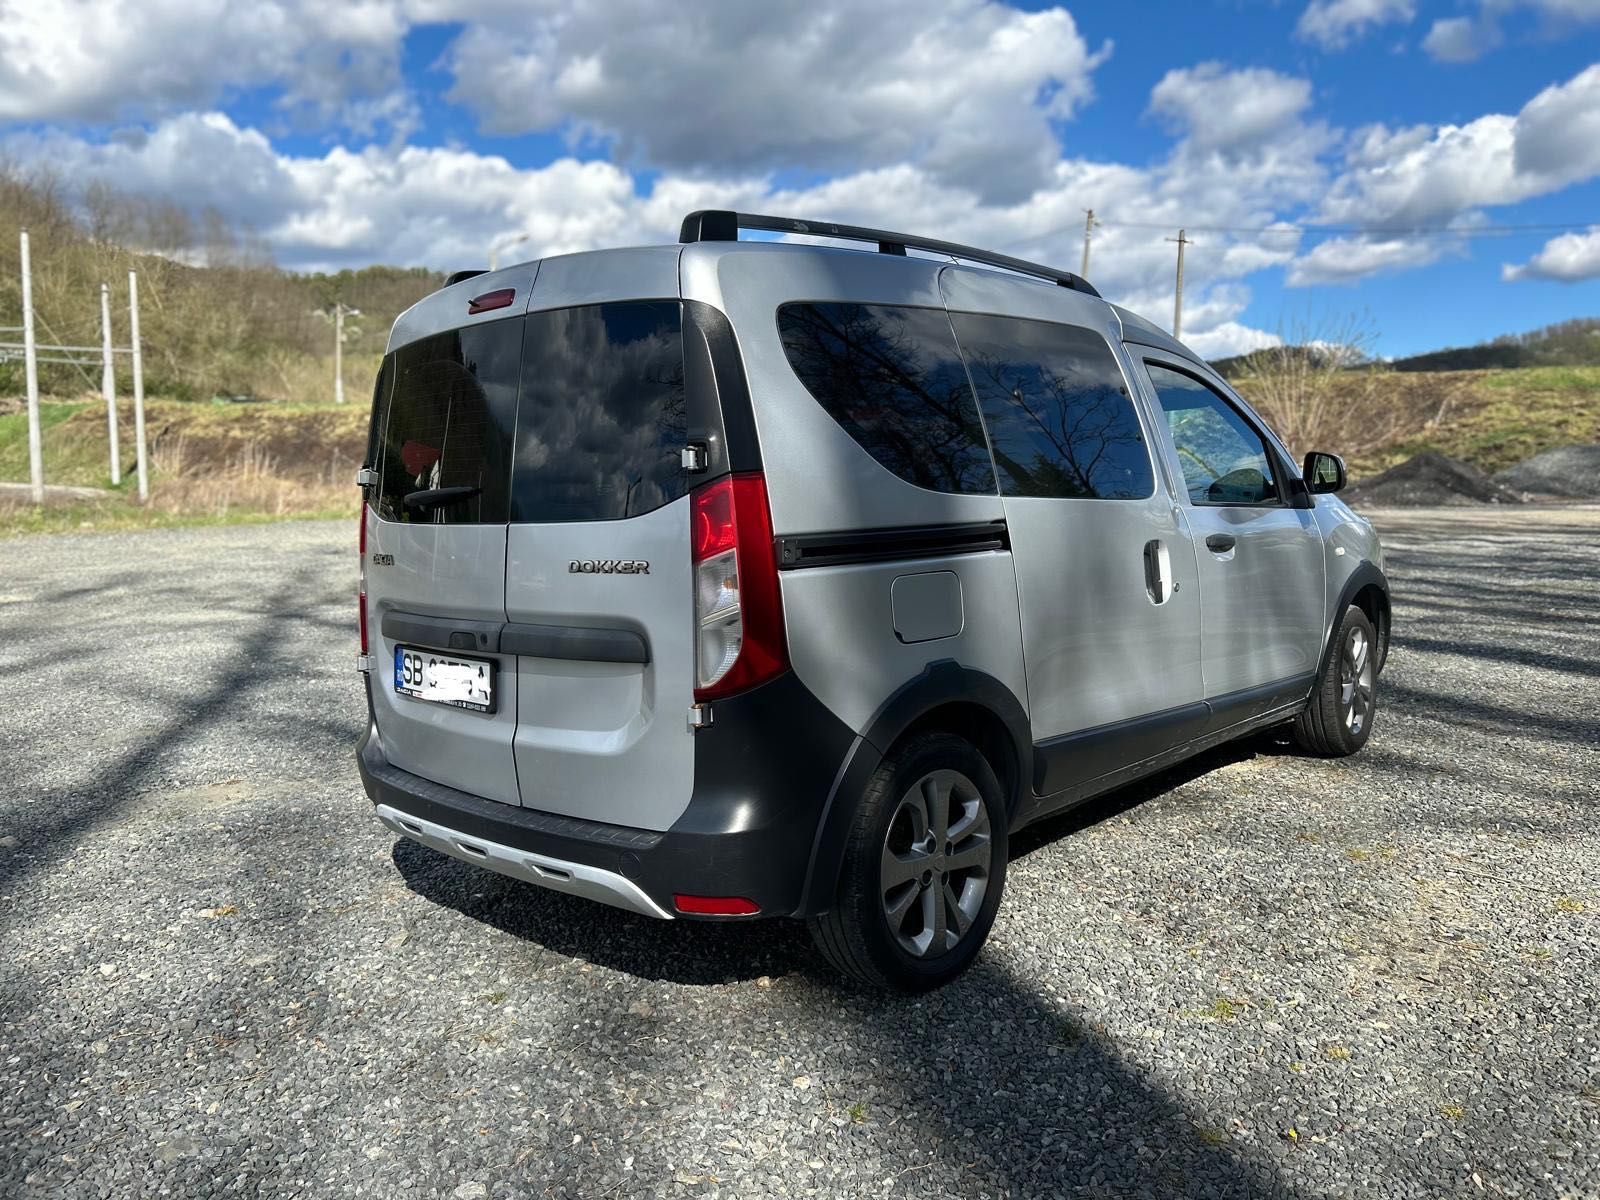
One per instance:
[(738, 610)]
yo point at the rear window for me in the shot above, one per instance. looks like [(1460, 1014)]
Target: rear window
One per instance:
[(893, 378), (1057, 409), (602, 422), (452, 400)]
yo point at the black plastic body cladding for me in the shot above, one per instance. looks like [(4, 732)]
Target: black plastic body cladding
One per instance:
[(764, 769)]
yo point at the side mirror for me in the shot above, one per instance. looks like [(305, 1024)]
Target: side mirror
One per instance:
[(1323, 473)]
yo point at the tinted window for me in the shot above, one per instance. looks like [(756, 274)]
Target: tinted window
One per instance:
[(601, 428), (893, 378), (1057, 410), (451, 405), (1223, 459)]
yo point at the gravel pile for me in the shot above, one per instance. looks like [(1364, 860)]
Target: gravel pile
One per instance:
[(1259, 975), (1430, 480), (1570, 472)]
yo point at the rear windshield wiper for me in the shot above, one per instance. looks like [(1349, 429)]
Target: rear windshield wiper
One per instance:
[(440, 497)]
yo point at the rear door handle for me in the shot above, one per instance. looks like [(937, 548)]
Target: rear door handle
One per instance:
[(1158, 572), (1220, 543)]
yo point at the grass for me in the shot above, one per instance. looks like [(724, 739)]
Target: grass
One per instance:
[(1496, 419), (209, 463), (68, 457)]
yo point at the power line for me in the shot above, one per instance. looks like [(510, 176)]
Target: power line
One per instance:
[(1369, 230)]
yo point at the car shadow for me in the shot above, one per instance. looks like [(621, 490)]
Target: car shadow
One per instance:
[(718, 952), (1042, 1101)]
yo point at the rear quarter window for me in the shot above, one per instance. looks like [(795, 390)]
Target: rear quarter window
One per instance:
[(1057, 409), (892, 377), (447, 423)]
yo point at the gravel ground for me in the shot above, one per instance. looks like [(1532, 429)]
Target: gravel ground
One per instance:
[(1257, 975)]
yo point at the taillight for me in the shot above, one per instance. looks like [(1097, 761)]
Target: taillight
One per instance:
[(738, 610), (361, 599)]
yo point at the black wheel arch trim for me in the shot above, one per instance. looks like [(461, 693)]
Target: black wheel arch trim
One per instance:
[(1366, 574), (940, 683)]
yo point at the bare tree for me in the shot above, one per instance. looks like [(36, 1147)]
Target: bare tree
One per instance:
[(1320, 388)]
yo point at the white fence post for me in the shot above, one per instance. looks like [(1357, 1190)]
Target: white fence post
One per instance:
[(138, 386), (30, 367), (108, 381), (338, 352)]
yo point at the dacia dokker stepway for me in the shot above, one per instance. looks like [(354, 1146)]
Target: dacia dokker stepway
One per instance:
[(743, 578)]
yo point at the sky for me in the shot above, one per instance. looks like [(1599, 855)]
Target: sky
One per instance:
[(1429, 171)]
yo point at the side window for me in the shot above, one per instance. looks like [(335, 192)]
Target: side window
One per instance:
[(1224, 461), (893, 378), (1057, 409), (602, 422), (452, 400)]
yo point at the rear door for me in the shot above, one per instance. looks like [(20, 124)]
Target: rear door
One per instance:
[(599, 594), (436, 547), (1105, 569)]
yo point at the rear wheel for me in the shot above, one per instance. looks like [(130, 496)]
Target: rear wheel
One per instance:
[(1338, 719), (924, 868)]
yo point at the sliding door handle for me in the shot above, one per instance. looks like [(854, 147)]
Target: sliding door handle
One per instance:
[(1158, 572), (1219, 543)]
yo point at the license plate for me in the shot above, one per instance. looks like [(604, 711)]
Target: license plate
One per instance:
[(444, 678)]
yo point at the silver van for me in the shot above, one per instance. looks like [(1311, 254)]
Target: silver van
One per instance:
[(744, 578)]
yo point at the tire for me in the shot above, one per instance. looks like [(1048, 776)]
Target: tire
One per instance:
[(898, 861), (1337, 720)]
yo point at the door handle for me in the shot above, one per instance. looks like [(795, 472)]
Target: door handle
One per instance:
[(1158, 572), (1220, 543)]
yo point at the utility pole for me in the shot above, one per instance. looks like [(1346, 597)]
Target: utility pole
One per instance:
[(1177, 303), (496, 247), (138, 386), (108, 382), (1088, 229), (338, 352), (30, 366)]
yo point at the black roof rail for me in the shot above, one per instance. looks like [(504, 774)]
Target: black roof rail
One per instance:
[(456, 277), (723, 225)]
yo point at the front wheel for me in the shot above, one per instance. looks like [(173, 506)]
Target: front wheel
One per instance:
[(924, 869), (1338, 719)]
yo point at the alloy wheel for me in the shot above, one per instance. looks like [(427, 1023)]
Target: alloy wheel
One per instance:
[(1356, 680), (935, 867)]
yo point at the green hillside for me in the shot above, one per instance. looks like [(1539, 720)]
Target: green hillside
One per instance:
[(217, 317)]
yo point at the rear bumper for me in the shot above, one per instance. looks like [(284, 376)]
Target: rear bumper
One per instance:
[(592, 883), (763, 772)]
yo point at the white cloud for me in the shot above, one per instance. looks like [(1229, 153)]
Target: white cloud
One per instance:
[(1247, 155), (1230, 338), (1225, 110), (101, 60), (1558, 132), (444, 206), (1334, 24), (967, 88), (1348, 259), (1425, 176), (1466, 39), (1458, 40), (971, 89), (1570, 258)]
